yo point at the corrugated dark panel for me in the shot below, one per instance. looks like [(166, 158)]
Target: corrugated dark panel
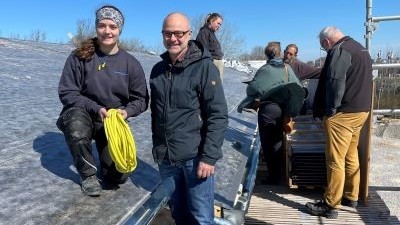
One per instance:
[(305, 151)]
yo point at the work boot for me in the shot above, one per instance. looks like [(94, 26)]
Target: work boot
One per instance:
[(349, 203), (320, 208), (91, 186)]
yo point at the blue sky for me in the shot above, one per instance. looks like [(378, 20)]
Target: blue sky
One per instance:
[(257, 21)]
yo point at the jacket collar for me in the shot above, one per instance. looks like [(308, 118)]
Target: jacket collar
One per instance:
[(194, 53), (275, 62)]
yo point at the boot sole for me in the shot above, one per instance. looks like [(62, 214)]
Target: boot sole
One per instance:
[(332, 215), (92, 194)]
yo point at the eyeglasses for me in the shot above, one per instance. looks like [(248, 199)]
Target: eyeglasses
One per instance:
[(322, 45), (289, 53), (178, 34)]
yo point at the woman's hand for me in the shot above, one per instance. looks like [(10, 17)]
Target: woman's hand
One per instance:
[(123, 113), (103, 113)]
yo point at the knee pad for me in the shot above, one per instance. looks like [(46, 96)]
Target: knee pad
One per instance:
[(77, 125)]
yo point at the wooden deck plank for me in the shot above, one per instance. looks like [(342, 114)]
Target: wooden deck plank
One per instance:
[(282, 205)]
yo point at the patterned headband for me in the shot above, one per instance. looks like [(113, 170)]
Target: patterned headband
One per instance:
[(111, 13)]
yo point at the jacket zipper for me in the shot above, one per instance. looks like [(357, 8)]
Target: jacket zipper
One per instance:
[(168, 89), (169, 74)]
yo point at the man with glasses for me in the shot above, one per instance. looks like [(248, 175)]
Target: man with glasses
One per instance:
[(343, 100), (301, 69), (189, 118)]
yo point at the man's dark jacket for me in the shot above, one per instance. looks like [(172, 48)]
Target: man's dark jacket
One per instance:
[(188, 108), (345, 83), (304, 71)]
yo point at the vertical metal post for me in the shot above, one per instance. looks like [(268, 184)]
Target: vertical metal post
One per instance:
[(368, 24), (364, 144)]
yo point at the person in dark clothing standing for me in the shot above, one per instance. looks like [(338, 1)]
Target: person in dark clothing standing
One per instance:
[(189, 118), (275, 104), (343, 100), (98, 76), (206, 36), (303, 71)]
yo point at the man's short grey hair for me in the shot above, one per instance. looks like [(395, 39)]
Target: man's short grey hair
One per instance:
[(329, 32)]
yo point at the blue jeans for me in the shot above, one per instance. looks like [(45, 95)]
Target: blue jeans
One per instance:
[(192, 199)]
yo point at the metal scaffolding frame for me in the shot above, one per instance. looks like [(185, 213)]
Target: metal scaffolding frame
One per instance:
[(364, 145), (371, 22)]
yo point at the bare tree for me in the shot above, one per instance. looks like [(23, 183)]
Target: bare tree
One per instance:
[(245, 57), (133, 45), (37, 35), (257, 53), (15, 36), (197, 23), (84, 30), (231, 43)]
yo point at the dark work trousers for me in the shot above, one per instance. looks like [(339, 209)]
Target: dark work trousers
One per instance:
[(271, 137), (79, 130)]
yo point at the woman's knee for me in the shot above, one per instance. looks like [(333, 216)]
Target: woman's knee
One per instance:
[(77, 125)]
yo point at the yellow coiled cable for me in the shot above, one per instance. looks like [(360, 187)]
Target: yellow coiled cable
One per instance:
[(121, 143)]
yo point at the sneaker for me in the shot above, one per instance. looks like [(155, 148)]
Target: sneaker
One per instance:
[(91, 186), (320, 208), (349, 203)]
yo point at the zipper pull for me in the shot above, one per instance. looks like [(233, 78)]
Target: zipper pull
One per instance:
[(169, 75), (169, 72)]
